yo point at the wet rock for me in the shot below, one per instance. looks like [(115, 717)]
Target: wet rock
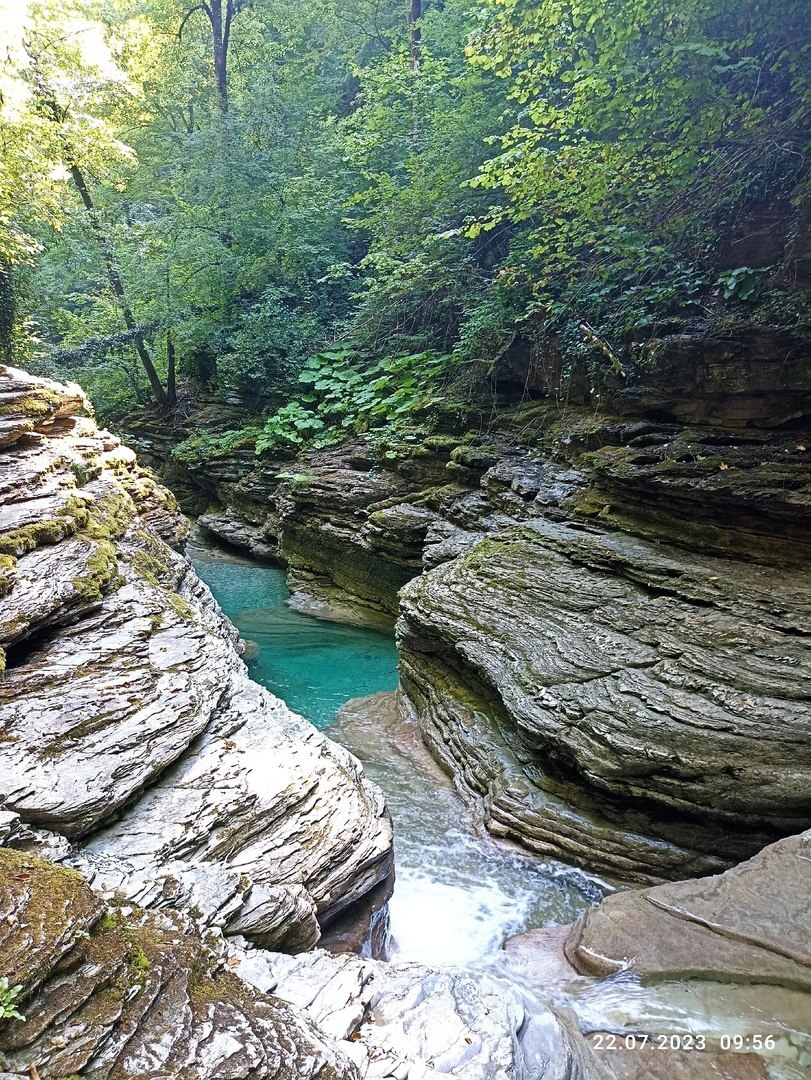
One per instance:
[(539, 956), (619, 705), (249, 651), (678, 979), (318, 596), (237, 532), (651, 1063), (112, 992), (365, 928), (749, 925), (407, 1020)]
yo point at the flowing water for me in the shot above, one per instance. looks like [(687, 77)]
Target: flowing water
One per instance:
[(458, 894)]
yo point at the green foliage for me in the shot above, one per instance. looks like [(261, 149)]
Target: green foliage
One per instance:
[(138, 959), (8, 995), (414, 139), (79, 471), (204, 446), (347, 397), (291, 426), (570, 174), (229, 237), (641, 131), (741, 282)]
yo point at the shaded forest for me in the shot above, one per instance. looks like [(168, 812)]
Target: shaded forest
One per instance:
[(346, 217)]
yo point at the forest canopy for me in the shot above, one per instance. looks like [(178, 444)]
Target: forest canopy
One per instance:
[(343, 215)]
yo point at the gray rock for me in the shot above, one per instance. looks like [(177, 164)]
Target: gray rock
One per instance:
[(747, 925), (119, 992), (128, 722), (29, 403), (265, 795), (239, 533), (626, 707), (408, 1020)]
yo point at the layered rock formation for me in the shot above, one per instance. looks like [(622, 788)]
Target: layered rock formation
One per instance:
[(691, 970), (651, 983), (630, 705), (623, 684), (116, 992), (650, 717), (129, 726)]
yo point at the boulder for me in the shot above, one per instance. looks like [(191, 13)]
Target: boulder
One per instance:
[(412, 1022)]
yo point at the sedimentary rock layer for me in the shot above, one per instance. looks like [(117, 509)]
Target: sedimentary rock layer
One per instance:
[(127, 721), (112, 992), (619, 704), (660, 749)]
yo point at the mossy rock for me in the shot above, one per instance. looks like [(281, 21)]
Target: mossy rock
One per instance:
[(106, 989), (36, 404)]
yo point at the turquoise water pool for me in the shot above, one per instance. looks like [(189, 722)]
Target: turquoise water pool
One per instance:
[(314, 666), (458, 893)]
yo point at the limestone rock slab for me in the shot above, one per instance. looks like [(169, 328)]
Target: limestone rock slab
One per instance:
[(749, 924), (411, 1021)]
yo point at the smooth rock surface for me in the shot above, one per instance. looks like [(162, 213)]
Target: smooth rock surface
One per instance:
[(750, 924)]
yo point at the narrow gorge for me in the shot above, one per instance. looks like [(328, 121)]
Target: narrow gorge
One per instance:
[(405, 540), (625, 705)]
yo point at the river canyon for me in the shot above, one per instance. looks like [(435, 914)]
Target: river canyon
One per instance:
[(595, 748)]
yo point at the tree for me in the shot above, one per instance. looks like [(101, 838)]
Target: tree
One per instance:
[(220, 18), (414, 16), (45, 102), (640, 129)]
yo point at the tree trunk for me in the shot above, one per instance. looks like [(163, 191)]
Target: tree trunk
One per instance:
[(59, 116), (171, 370), (414, 16), (6, 315), (117, 285), (220, 32)]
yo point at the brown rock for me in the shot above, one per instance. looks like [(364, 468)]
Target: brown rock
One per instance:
[(747, 925)]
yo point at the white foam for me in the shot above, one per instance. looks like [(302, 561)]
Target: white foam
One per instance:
[(434, 922)]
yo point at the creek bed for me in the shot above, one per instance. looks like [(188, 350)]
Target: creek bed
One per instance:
[(458, 893)]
